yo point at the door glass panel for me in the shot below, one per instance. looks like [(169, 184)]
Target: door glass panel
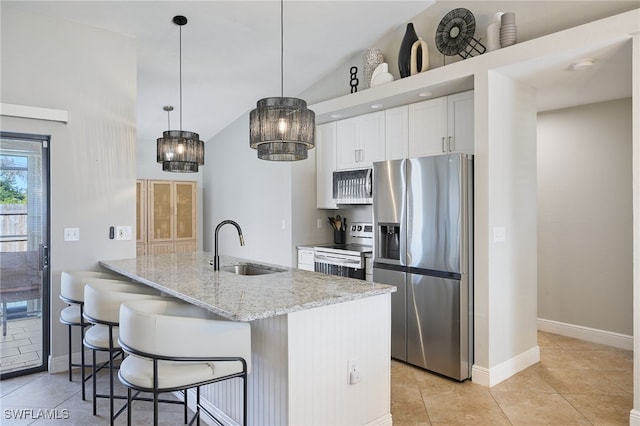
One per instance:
[(23, 253), (184, 210), (161, 193)]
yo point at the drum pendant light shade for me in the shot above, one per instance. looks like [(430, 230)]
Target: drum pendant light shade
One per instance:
[(179, 151), (282, 129)]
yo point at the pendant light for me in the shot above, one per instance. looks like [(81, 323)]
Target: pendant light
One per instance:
[(280, 128), (179, 151)]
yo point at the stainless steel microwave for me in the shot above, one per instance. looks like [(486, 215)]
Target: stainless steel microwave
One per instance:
[(353, 186)]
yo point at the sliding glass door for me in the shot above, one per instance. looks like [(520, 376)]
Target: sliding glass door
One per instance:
[(24, 253)]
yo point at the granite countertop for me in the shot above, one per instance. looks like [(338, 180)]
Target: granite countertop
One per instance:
[(190, 277)]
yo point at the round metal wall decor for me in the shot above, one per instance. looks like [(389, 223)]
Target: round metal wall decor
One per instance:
[(455, 31)]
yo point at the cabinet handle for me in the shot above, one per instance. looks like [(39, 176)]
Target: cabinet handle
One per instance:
[(355, 155), (451, 145), (444, 149)]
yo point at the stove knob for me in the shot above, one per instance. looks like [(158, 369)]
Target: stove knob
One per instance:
[(353, 228), (359, 227)]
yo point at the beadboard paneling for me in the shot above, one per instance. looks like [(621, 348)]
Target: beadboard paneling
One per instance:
[(325, 340), (299, 370)]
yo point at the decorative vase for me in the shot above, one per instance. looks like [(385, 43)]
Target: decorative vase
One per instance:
[(419, 53), (381, 75), (372, 58), (404, 54)]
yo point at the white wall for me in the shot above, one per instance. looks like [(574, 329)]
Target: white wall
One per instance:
[(90, 73), (255, 193), (585, 216), (505, 201)]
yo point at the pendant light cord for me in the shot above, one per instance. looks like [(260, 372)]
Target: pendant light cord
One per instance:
[(180, 77), (282, 48)]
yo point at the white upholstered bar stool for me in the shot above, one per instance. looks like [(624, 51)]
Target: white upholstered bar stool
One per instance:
[(72, 293), (174, 346), (102, 300)]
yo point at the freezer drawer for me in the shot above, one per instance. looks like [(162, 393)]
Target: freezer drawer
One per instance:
[(398, 310), (437, 333)]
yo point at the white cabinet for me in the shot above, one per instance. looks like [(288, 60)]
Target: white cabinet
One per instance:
[(305, 259), (441, 125), (460, 122), (360, 141), (396, 127), (427, 127), (325, 165)]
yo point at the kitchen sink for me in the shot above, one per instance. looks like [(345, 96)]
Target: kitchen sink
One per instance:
[(250, 269)]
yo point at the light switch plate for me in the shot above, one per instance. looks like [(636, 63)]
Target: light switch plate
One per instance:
[(499, 234), (123, 233), (72, 234)]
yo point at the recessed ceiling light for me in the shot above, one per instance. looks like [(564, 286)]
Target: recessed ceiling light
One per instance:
[(376, 106), (425, 94), (336, 115), (582, 65)]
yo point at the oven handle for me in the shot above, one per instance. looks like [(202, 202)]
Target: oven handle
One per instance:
[(336, 260)]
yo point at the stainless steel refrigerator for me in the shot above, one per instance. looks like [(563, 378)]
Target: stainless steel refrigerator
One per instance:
[(423, 230)]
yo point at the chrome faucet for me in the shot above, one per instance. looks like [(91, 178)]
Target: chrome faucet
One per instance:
[(216, 258)]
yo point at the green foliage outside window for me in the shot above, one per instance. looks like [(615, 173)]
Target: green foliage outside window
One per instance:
[(10, 190)]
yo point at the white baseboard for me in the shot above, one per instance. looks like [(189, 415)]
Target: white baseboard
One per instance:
[(480, 375), (382, 421), (593, 335), (634, 418), (494, 375), (59, 364)]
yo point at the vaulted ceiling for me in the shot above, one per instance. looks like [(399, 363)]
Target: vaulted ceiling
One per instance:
[(231, 49)]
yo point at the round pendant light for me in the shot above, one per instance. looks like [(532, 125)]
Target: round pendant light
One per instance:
[(282, 128), (179, 151)]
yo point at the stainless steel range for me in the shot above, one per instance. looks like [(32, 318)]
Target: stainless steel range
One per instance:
[(349, 259)]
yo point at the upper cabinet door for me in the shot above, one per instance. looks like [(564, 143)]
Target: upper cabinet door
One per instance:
[(325, 165), (372, 139), (396, 128), (360, 141), (428, 127), (441, 125), (460, 122), (347, 143)]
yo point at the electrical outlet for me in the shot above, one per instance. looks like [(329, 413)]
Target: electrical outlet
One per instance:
[(319, 223), (353, 373), (72, 234), (123, 233)]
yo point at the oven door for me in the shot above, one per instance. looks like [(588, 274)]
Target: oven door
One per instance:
[(346, 265)]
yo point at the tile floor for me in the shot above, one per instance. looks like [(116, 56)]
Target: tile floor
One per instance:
[(22, 346), (575, 383)]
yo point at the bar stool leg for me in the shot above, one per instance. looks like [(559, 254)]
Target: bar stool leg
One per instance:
[(93, 375), (197, 403), (129, 401), (82, 360), (69, 353)]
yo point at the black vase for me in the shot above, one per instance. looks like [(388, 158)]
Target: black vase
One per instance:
[(404, 54)]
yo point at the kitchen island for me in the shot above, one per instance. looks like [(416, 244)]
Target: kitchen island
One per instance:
[(307, 329)]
